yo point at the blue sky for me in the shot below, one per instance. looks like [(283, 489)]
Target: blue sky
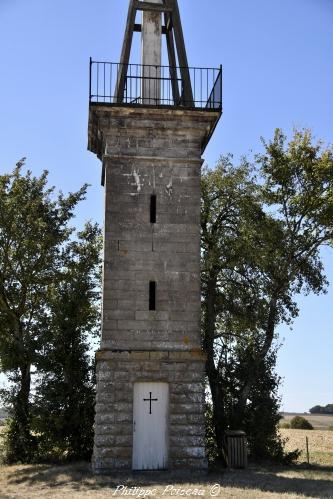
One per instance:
[(278, 72)]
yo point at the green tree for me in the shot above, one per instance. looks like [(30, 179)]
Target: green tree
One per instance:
[(300, 423), (318, 409), (64, 402), (261, 414), (33, 228), (233, 223), (260, 248)]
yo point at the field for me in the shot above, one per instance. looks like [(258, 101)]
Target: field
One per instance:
[(76, 481), (320, 445), (318, 421)]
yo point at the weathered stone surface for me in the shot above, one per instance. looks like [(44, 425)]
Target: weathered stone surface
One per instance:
[(185, 419), (145, 152)]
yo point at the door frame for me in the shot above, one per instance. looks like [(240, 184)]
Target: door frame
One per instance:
[(167, 429)]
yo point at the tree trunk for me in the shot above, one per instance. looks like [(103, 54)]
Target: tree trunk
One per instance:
[(22, 403), (244, 393), (22, 442), (211, 371), (218, 406)]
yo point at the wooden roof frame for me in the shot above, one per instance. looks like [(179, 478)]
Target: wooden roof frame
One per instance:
[(173, 31)]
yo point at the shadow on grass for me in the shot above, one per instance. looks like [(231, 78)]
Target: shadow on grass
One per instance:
[(307, 480), (324, 468)]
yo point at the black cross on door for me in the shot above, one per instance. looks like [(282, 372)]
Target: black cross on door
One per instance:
[(150, 400)]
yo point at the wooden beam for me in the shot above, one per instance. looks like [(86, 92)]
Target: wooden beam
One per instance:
[(138, 29), (169, 24), (182, 57), (152, 7), (172, 61), (125, 53)]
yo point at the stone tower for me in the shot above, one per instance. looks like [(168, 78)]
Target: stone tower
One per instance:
[(149, 125)]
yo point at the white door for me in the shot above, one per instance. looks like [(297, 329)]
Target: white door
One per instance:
[(150, 426)]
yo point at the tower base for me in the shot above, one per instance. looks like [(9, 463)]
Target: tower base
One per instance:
[(117, 374)]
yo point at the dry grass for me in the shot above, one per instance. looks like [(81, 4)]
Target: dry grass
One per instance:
[(320, 444), (77, 481)]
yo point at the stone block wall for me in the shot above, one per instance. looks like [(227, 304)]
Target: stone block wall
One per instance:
[(145, 152), (137, 252), (117, 372)]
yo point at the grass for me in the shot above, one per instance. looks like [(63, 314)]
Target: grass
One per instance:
[(76, 481), (320, 444)]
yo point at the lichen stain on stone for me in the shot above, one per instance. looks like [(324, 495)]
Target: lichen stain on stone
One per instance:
[(186, 340), (198, 353), (154, 178), (169, 188), (157, 26), (137, 181)]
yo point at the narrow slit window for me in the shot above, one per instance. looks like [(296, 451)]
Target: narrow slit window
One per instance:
[(153, 209), (152, 295)]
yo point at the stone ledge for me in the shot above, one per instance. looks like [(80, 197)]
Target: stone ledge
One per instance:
[(103, 120), (195, 354), (158, 159)]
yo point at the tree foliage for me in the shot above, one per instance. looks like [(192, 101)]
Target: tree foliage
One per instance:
[(300, 423), (262, 229), (319, 409), (64, 401), (34, 247)]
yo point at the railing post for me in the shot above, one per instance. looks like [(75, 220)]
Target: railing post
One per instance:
[(220, 86), (90, 64)]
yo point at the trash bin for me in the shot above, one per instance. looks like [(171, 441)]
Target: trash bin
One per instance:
[(236, 446)]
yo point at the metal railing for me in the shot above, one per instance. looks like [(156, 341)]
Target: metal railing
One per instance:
[(154, 85)]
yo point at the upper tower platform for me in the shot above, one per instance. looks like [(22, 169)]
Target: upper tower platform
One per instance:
[(150, 84)]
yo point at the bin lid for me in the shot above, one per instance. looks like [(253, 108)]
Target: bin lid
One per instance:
[(235, 433)]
